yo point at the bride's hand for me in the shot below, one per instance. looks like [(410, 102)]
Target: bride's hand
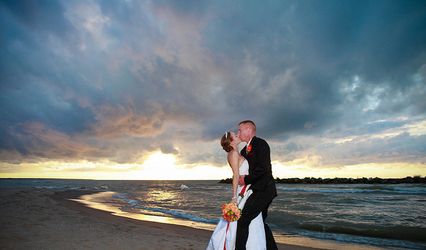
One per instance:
[(234, 200)]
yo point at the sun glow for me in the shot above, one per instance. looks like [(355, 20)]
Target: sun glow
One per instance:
[(158, 166)]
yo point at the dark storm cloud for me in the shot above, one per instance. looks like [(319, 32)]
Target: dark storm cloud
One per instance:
[(76, 91), (38, 15), (118, 79), (326, 43)]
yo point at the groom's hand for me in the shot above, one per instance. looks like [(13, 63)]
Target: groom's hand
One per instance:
[(241, 180)]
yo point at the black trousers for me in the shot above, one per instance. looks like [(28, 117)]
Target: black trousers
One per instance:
[(258, 202)]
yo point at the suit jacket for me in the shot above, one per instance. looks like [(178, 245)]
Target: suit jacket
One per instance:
[(260, 169)]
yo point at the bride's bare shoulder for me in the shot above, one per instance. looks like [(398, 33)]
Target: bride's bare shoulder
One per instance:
[(233, 154)]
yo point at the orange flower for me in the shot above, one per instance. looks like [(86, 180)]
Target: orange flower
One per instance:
[(230, 212)]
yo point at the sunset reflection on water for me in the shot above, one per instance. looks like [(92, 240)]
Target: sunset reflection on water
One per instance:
[(97, 201)]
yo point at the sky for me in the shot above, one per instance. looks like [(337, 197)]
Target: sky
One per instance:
[(145, 89)]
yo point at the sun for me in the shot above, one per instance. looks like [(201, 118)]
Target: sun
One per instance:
[(159, 166), (160, 160)]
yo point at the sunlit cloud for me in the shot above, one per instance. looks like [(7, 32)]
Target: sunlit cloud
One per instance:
[(370, 170)]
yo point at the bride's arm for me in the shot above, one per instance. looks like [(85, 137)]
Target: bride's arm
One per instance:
[(233, 160)]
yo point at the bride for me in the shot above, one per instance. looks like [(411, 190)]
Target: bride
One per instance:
[(223, 236)]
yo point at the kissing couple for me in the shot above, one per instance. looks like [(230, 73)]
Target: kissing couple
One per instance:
[(253, 189)]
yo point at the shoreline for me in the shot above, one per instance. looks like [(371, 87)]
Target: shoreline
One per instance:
[(283, 241), (49, 219), (72, 200)]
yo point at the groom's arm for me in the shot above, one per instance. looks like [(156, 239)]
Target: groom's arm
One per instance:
[(261, 163)]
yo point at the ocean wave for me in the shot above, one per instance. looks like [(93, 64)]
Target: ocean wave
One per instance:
[(391, 232), (136, 204), (369, 189), (125, 197), (120, 196), (180, 214), (379, 242)]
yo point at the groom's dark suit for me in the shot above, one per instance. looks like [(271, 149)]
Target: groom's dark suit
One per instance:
[(264, 191)]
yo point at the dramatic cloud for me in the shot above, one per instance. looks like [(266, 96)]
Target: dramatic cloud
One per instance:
[(329, 83)]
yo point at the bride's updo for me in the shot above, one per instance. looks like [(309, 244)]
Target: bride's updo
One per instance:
[(226, 142)]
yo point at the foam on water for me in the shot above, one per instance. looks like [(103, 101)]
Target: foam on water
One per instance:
[(135, 206)]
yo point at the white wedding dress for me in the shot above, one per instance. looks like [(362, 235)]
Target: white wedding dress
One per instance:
[(226, 235)]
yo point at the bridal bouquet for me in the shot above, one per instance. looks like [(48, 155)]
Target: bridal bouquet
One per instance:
[(231, 212)]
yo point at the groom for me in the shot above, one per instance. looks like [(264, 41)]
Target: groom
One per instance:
[(257, 154)]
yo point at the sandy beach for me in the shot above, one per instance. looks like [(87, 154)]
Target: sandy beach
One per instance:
[(45, 219)]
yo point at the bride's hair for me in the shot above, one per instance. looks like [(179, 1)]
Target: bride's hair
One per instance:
[(226, 142)]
